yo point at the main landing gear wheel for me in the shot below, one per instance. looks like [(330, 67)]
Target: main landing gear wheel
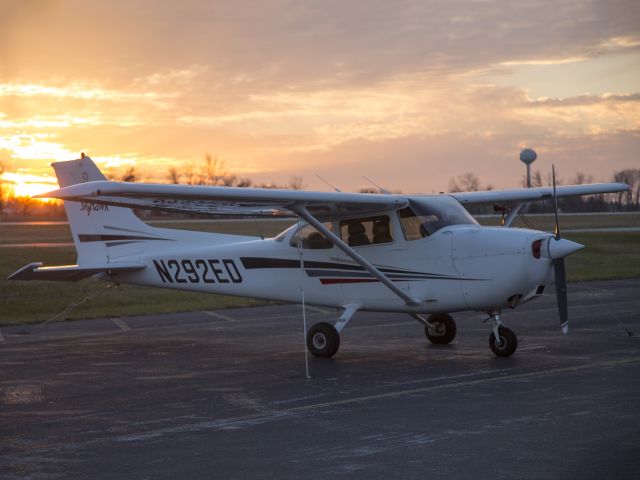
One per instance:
[(323, 340), (443, 330), (508, 342)]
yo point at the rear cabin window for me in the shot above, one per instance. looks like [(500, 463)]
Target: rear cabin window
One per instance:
[(309, 237), (358, 232)]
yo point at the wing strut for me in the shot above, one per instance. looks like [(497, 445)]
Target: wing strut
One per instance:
[(363, 262), (513, 213)]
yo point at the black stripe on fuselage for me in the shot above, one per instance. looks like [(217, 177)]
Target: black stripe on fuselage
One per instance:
[(251, 263), (263, 262), (84, 238), (343, 270), (393, 276)]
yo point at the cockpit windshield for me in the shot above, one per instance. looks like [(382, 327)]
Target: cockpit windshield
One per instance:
[(425, 216)]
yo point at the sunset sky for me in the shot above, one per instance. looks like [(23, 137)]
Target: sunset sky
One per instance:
[(408, 93)]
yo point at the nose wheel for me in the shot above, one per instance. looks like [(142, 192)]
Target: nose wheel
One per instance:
[(502, 341)]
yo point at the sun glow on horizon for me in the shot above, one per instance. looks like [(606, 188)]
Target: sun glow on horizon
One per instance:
[(28, 185)]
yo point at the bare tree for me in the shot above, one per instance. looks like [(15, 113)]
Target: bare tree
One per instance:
[(190, 174), (540, 180), (296, 183), (2, 169), (173, 175), (267, 185), (244, 182), (129, 174), (581, 178), (630, 176), (24, 203), (228, 180), (467, 182), (536, 179), (213, 170), (579, 204)]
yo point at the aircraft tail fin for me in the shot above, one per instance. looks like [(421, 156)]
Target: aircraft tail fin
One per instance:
[(101, 233), (110, 239)]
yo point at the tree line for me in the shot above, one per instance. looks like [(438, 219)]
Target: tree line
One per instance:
[(212, 170)]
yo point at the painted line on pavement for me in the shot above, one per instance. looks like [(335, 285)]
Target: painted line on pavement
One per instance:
[(120, 323), (317, 309), (219, 316), (533, 347), (285, 413)]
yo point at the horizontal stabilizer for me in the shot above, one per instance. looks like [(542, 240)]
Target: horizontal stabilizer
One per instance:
[(70, 273)]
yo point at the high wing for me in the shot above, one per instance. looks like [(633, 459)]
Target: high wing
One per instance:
[(523, 195), (224, 200), (265, 201)]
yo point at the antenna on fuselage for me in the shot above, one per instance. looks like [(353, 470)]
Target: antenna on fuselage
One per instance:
[(335, 188), (304, 307), (382, 190)]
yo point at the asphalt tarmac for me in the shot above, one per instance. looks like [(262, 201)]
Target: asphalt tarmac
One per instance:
[(223, 394)]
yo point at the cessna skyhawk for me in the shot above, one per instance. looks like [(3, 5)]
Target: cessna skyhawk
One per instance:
[(418, 254)]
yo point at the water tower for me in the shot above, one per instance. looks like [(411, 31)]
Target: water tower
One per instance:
[(528, 156)]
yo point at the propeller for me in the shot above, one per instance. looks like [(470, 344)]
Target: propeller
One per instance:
[(558, 265)]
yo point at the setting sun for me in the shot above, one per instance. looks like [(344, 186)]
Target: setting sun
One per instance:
[(27, 185)]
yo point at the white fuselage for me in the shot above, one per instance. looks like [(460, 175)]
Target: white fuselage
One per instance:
[(411, 253), (459, 267)]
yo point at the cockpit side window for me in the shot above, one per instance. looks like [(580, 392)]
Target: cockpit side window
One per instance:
[(412, 224), (424, 217), (308, 237), (358, 232)]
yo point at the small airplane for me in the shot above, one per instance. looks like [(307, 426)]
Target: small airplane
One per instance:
[(418, 254)]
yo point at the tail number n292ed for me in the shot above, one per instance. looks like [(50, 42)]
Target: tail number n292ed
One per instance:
[(211, 270)]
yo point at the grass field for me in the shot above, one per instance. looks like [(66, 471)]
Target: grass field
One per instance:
[(32, 302), (608, 255)]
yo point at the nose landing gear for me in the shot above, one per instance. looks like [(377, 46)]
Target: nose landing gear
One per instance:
[(502, 341)]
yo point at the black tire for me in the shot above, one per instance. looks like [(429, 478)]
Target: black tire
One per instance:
[(323, 340), (444, 330), (509, 342)]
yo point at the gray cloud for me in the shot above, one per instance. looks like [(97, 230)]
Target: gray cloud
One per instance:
[(394, 90), (425, 164), (585, 100), (289, 44)]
